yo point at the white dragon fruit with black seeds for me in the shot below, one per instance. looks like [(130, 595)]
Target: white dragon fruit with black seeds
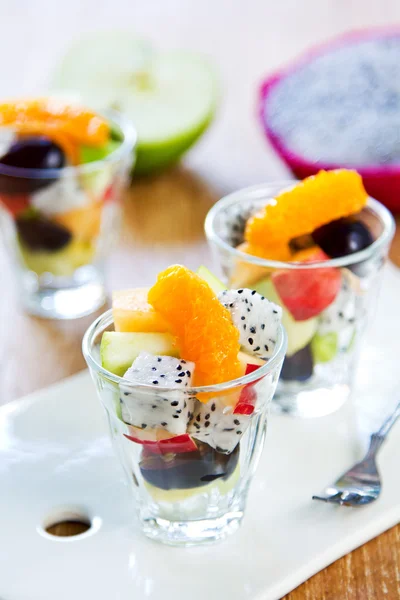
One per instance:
[(256, 318), (215, 424), (170, 410), (63, 195), (233, 222), (344, 315)]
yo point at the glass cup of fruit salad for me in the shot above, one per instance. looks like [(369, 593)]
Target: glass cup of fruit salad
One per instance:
[(62, 170), (186, 407), (316, 248)]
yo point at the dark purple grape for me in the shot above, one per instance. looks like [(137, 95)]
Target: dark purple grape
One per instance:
[(299, 366), (30, 153), (37, 233), (188, 470), (343, 237)]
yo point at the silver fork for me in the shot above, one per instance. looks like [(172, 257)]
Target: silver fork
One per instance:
[(361, 484)]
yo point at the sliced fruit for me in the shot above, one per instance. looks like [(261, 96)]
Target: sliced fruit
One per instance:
[(160, 441), (90, 154), (245, 274), (299, 333), (132, 312), (215, 284), (311, 254), (51, 114), (307, 292), (84, 223), (324, 347), (248, 395), (313, 202), (279, 252), (250, 360), (118, 350), (170, 97), (15, 205), (99, 180), (299, 366), (61, 263), (205, 332)]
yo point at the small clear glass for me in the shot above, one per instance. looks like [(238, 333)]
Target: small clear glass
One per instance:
[(183, 495), (58, 226), (319, 368)]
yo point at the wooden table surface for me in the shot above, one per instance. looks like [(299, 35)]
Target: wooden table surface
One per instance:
[(164, 215)]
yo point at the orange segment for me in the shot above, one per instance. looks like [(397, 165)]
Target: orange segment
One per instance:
[(64, 123), (317, 200), (206, 334), (132, 312)]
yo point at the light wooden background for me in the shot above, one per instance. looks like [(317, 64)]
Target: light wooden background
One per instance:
[(164, 215)]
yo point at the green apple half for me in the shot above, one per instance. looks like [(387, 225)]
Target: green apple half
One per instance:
[(169, 97)]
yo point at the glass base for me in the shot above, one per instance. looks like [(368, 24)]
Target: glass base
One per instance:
[(72, 297), (191, 533), (66, 304), (298, 401)]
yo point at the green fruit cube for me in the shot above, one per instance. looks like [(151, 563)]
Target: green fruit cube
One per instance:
[(215, 284), (118, 349), (324, 347)]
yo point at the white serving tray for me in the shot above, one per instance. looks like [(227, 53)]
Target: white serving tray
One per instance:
[(55, 456)]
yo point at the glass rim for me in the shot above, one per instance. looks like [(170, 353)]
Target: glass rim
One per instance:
[(127, 145), (253, 192), (105, 319)]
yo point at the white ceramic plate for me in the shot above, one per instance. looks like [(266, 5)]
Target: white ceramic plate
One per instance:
[(55, 459)]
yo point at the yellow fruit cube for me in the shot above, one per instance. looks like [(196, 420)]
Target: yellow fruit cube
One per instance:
[(133, 313)]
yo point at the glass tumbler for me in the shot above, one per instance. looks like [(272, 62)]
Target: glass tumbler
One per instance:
[(187, 491), (340, 293), (58, 226)]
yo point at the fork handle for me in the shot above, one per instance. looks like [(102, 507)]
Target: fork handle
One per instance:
[(388, 423)]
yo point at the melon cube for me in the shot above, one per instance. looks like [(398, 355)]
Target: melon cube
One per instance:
[(133, 313)]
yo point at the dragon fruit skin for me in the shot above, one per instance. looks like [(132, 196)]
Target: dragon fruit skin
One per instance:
[(169, 409), (256, 318), (380, 181), (218, 426)]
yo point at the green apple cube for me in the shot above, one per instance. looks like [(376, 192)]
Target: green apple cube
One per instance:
[(215, 284), (98, 180), (324, 347), (299, 333), (118, 349)]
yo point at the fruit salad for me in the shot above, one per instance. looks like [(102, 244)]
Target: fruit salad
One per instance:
[(189, 368), (57, 173), (309, 247)]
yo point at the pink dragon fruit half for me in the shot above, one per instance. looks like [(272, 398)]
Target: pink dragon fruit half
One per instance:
[(339, 106)]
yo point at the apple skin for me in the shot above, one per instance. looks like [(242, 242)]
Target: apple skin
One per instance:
[(248, 395), (152, 158), (161, 442)]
